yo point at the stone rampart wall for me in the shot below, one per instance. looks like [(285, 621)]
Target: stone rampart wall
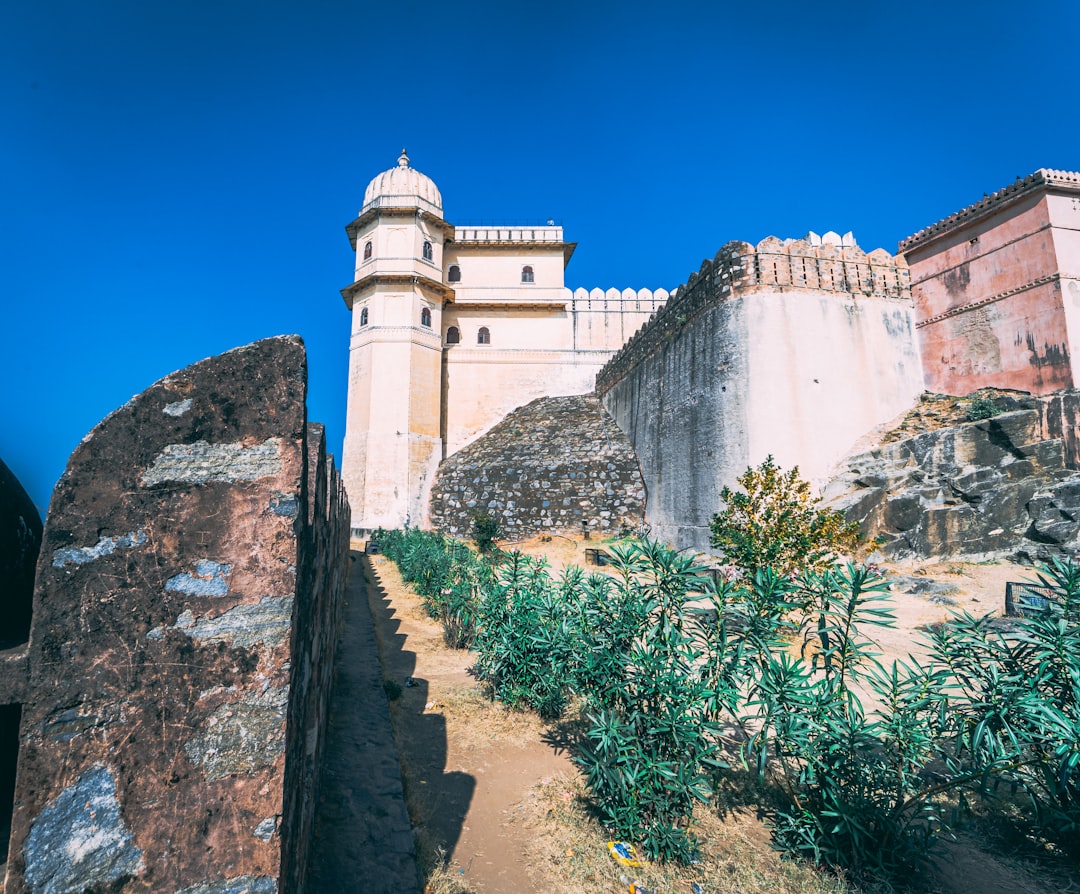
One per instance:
[(322, 581), (546, 468), (187, 596), (789, 349)]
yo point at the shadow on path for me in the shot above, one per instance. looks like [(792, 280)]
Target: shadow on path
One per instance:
[(442, 799), (363, 839)]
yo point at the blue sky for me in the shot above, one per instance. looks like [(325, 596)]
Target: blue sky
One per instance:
[(176, 177)]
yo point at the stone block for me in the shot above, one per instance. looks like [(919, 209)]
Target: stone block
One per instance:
[(185, 609)]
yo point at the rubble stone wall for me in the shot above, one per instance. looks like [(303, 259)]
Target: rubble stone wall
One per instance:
[(546, 468), (187, 594)]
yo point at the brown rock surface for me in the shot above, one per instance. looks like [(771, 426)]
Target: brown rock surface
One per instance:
[(186, 594)]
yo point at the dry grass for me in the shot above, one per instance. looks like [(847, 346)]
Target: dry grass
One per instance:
[(442, 876), (567, 849)]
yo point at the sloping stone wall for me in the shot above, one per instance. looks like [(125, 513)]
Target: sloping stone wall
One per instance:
[(187, 597), (547, 467), (994, 487)]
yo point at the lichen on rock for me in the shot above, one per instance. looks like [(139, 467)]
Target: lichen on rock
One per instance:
[(79, 840)]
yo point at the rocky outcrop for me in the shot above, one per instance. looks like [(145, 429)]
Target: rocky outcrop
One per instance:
[(185, 609), (992, 487), (549, 466)]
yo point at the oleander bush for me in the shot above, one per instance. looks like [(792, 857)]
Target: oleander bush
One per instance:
[(682, 674)]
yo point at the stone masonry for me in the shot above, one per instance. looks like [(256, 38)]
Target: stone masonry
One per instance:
[(187, 599), (547, 467)]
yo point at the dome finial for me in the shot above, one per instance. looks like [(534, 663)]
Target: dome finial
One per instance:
[(403, 161)]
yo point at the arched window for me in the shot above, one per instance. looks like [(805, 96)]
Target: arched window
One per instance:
[(425, 318), (367, 251), (483, 337), (453, 335), (453, 274), (363, 316), (427, 250), (526, 274)]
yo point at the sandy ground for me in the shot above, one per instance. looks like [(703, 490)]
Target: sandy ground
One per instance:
[(463, 781)]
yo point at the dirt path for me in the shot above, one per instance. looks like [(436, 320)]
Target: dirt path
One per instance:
[(362, 830), (471, 776)]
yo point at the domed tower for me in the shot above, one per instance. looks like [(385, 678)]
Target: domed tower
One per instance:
[(393, 425)]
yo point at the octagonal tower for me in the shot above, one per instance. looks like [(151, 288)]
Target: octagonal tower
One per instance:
[(393, 441)]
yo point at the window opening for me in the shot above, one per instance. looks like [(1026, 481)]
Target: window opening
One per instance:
[(483, 337), (427, 250), (363, 316), (367, 251), (453, 335), (526, 274), (425, 318), (454, 273)]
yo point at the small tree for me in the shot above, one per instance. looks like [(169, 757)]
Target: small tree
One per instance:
[(775, 522), (485, 529)]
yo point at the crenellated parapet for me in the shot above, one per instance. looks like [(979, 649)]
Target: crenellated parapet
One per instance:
[(821, 264), (614, 300), (1040, 180)]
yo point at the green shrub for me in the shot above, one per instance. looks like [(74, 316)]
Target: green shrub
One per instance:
[(774, 522), (1016, 701), (447, 575), (982, 408), (652, 744), (522, 638), (485, 530), (675, 672), (854, 797)]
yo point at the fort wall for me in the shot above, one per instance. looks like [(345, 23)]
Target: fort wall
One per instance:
[(186, 603), (783, 348)]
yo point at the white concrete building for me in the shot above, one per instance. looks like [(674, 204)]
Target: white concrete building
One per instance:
[(452, 328)]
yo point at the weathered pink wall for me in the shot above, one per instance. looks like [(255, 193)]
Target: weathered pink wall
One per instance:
[(988, 288)]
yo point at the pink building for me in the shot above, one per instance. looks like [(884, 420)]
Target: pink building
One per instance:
[(997, 289)]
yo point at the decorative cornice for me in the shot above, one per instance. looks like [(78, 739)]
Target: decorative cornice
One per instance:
[(1042, 179), (982, 302), (463, 247), (349, 293), (353, 228)]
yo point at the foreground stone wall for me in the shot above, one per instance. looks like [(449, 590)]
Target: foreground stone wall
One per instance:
[(187, 595), (20, 540), (783, 348), (547, 467), (1000, 486)]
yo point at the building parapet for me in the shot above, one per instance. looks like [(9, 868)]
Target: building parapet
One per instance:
[(405, 200), (772, 265), (614, 300), (467, 233), (1041, 179)]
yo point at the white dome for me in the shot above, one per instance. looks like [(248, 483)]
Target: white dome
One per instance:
[(402, 187)]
